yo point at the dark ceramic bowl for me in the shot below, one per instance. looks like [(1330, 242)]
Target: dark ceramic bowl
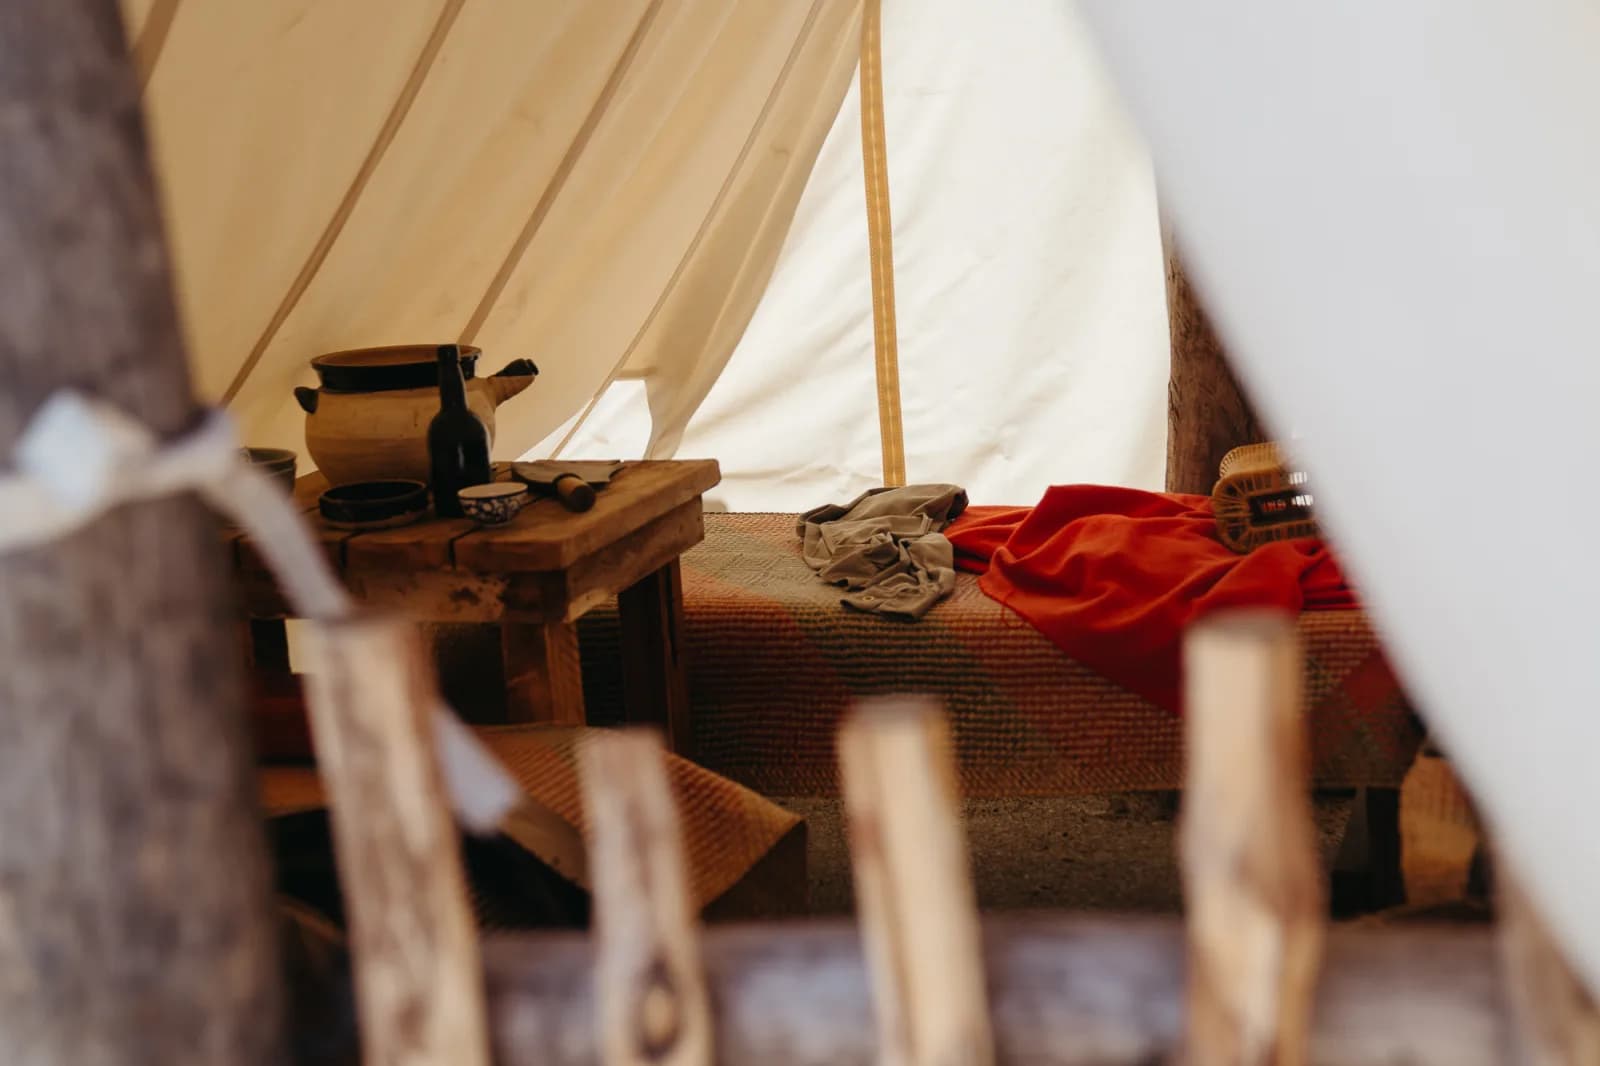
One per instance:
[(373, 504), (278, 462), (395, 366)]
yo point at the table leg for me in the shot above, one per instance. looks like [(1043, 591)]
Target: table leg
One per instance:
[(655, 684), (266, 645), (544, 681)]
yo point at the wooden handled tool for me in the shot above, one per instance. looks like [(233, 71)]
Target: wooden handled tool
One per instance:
[(573, 492), (573, 482)]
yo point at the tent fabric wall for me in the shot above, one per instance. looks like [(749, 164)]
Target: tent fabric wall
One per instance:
[(1029, 277), (1394, 211), (685, 345), (595, 186)]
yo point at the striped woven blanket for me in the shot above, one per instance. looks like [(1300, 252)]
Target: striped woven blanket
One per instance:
[(774, 662)]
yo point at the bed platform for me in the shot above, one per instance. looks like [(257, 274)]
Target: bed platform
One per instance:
[(774, 660)]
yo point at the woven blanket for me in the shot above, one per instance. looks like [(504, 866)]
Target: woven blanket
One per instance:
[(727, 829), (774, 662)]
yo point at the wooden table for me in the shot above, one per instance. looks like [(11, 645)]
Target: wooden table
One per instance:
[(535, 577)]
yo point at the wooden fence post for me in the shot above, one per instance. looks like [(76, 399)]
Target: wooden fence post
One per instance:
[(919, 919), (1252, 882), (137, 925), (414, 942), (653, 1006)]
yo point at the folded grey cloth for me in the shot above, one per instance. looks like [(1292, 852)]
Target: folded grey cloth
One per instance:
[(887, 547)]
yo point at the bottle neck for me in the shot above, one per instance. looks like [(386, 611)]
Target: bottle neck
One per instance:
[(452, 387)]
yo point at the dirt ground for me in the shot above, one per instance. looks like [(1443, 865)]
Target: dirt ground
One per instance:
[(1080, 853)]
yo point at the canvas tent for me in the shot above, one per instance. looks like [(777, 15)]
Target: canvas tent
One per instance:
[(1453, 183), (1399, 239), (609, 188), (1027, 265)]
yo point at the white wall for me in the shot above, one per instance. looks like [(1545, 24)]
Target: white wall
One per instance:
[(1031, 305)]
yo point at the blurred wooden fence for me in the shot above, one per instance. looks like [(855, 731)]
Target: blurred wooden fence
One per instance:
[(1251, 976)]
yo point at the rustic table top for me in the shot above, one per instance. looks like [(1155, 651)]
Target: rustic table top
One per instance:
[(544, 537)]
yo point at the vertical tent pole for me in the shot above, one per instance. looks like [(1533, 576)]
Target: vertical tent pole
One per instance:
[(880, 245), (135, 909)]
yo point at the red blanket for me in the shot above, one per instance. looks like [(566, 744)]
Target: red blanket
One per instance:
[(1112, 576)]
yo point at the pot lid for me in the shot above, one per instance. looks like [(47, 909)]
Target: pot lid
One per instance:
[(393, 366)]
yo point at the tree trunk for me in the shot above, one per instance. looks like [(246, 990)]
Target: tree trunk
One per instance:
[(1207, 412), (135, 921)]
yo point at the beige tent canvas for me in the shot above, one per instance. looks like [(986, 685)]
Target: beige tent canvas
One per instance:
[(626, 191), (661, 202), (664, 204), (1475, 242), (1399, 240)]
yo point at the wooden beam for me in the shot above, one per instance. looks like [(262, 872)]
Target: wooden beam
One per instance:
[(1207, 412), (913, 885), (653, 1004), (137, 923), (1253, 888), (413, 937), (1063, 991)]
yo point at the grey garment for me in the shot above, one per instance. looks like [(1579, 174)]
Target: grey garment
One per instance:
[(887, 547)]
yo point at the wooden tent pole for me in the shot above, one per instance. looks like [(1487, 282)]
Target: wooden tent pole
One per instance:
[(880, 246), (1207, 412), (136, 925)]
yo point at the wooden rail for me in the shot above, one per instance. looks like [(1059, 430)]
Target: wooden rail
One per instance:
[(1252, 976), (1062, 989)]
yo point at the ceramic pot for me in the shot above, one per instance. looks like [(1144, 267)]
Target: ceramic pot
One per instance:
[(278, 462), (374, 425)]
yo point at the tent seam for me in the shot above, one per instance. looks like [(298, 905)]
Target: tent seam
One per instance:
[(705, 224), (558, 180), (358, 184), (153, 40)]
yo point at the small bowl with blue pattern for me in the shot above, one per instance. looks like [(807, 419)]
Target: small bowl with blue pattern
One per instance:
[(493, 504)]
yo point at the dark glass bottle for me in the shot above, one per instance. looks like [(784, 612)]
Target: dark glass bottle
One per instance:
[(458, 441)]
